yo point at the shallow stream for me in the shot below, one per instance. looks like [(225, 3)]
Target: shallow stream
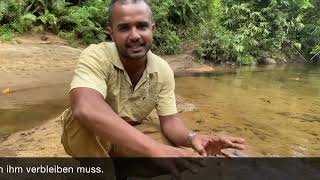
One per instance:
[(276, 109)]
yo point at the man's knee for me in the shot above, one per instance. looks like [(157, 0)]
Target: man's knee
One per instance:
[(78, 141), (151, 130)]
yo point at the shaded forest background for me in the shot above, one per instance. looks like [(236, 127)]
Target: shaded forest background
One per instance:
[(238, 31)]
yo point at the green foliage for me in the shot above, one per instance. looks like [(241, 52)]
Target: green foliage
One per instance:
[(316, 50), (24, 22), (85, 21), (48, 19), (310, 35), (3, 9), (166, 43), (244, 29), (316, 54), (177, 20), (88, 21), (6, 33), (241, 31), (223, 45)]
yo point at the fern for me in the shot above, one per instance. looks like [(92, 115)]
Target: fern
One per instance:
[(316, 50), (6, 34), (48, 19), (59, 7), (4, 8), (24, 22)]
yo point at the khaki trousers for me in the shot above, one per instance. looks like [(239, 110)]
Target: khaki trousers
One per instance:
[(78, 141)]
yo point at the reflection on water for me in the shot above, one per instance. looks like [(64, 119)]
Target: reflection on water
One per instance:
[(26, 117), (276, 110)]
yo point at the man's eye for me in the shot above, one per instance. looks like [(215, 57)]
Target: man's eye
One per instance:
[(123, 28), (143, 27)]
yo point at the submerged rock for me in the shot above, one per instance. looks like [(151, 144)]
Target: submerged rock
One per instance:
[(269, 60)]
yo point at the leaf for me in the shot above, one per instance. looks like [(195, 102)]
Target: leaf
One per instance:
[(316, 50), (4, 8), (6, 91), (239, 48), (254, 42), (59, 6), (28, 17)]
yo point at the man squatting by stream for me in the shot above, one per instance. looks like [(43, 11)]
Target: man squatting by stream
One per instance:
[(116, 86)]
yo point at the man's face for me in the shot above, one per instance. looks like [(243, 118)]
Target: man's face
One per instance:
[(132, 29)]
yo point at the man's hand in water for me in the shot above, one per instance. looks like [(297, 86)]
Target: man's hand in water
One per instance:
[(208, 145)]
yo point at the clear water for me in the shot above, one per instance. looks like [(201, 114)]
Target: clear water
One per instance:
[(25, 108), (277, 110), (29, 116)]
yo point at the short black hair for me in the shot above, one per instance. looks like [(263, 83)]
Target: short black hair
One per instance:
[(111, 7)]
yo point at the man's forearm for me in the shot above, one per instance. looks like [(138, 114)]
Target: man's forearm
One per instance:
[(175, 130), (98, 116)]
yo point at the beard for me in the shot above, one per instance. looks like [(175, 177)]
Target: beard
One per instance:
[(133, 50)]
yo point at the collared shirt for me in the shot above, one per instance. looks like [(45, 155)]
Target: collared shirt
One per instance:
[(100, 68)]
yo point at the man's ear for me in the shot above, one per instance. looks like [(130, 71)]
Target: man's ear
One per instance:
[(153, 27), (109, 30)]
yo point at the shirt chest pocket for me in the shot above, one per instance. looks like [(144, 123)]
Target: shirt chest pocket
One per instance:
[(145, 101)]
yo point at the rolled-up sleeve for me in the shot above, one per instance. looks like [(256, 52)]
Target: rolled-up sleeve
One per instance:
[(91, 70), (166, 104)]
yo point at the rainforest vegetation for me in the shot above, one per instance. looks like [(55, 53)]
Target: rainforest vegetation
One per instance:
[(238, 31)]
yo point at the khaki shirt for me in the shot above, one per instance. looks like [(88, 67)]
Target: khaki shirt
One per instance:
[(100, 68)]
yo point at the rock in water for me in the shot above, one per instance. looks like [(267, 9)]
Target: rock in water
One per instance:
[(269, 60)]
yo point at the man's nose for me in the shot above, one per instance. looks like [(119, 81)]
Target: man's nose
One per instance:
[(134, 35)]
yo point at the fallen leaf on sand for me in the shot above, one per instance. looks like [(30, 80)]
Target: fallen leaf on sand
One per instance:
[(6, 91)]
